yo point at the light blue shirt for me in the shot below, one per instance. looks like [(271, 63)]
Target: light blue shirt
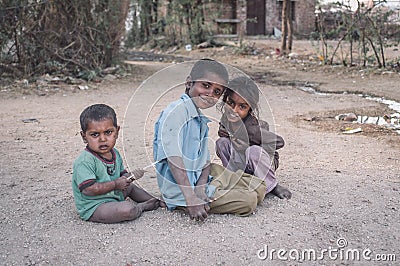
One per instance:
[(181, 130)]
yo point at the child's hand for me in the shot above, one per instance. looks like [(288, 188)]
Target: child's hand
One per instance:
[(122, 183), (138, 173), (223, 133), (197, 209), (239, 144), (134, 175)]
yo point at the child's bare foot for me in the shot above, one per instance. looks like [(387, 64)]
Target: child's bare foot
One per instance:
[(281, 192), (162, 203), (149, 205)]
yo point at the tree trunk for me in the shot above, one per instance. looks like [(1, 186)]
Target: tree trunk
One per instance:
[(289, 24), (116, 30), (284, 26)]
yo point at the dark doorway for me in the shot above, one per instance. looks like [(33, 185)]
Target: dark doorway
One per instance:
[(255, 24)]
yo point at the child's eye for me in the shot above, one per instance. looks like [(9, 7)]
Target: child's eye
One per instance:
[(217, 92), (108, 132), (243, 106), (206, 85), (94, 135)]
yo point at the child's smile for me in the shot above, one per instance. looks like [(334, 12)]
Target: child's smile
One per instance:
[(206, 91), (231, 115), (101, 137), (237, 108)]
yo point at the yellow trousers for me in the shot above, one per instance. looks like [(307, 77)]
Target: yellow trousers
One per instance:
[(236, 192)]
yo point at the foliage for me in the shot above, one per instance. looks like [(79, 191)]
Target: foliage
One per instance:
[(167, 23), (41, 36), (365, 32)]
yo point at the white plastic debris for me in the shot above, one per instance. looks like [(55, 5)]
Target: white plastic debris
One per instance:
[(353, 131)]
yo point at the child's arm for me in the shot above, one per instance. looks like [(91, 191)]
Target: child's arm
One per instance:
[(195, 206), (267, 139), (100, 188), (271, 142), (200, 188), (222, 132)]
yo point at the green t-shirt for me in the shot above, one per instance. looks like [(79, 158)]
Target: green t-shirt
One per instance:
[(90, 167)]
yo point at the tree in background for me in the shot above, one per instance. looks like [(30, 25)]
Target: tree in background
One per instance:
[(365, 32), (144, 21), (78, 37), (167, 23), (287, 27)]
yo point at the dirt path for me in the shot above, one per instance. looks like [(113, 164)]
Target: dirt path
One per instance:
[(345, 187)]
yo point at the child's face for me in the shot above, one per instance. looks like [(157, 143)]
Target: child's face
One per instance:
[(236, 108), (101, 136), (206, 91)]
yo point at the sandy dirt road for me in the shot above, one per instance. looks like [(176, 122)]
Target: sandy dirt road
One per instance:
[(346, 188)]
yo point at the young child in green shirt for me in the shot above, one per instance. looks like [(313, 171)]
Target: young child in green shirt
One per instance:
[(100, 183)]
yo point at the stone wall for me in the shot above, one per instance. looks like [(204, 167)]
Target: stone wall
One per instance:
[(303, 23), (303, 16)]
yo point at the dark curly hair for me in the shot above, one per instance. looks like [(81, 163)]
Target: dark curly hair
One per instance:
[(247, 89), (206, 65), (97, 112)]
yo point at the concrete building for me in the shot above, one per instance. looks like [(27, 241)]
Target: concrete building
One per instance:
[(260, 17)]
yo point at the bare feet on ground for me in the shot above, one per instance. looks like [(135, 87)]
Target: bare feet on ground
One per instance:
[(150, 205), (281, 192)]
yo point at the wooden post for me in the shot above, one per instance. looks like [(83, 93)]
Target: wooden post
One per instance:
[(284, 26), (289, 25)]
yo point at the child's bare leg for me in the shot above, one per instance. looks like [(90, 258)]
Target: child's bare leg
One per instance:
[(137, 194), (144, 199), (260, 164), (281, 192), (115, 212)]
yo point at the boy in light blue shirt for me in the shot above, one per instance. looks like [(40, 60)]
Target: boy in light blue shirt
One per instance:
[(184, 134)]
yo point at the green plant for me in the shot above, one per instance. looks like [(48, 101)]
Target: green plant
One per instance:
[(364, 30), (73, 35)]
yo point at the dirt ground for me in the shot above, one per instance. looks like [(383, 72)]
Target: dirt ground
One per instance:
[(346, 187)]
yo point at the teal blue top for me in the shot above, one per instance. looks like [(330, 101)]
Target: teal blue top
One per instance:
[(181, 130), (89, 168)]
